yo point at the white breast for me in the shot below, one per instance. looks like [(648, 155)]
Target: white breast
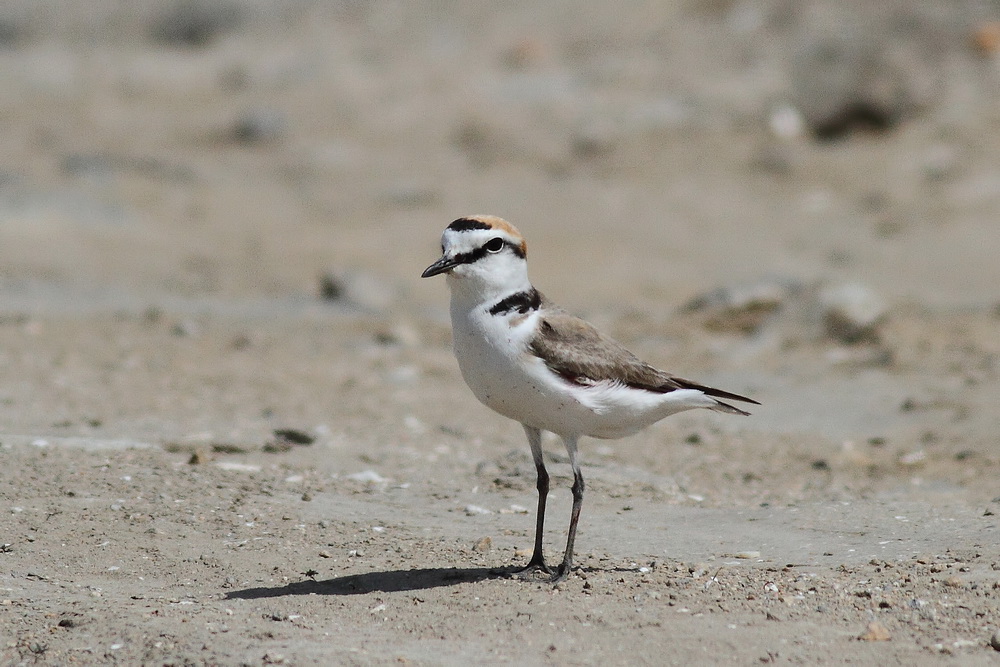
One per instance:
[(492, 352), (493, 355)]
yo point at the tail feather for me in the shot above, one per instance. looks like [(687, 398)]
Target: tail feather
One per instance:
[(715, 393), (729, 409)]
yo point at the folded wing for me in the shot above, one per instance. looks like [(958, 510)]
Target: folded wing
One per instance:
[(581, 354)]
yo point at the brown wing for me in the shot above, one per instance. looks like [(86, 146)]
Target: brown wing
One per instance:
[(581, 354)]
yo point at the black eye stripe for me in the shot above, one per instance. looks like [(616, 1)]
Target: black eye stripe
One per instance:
[(481, 251), (473, 256), (470, 257)]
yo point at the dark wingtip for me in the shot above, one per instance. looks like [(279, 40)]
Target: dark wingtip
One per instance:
[(731, 409), (713, 392)]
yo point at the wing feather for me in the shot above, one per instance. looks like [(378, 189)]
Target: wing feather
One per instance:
[(581, 354)]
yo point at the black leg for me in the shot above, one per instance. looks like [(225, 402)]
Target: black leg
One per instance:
[(567, 563), (537, 561)]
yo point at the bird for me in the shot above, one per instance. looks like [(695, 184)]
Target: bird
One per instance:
[(529, 360)]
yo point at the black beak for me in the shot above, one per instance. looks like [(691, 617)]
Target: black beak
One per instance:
[(443, 265)]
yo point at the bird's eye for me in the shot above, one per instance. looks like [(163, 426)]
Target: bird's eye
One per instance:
[(494, 245)]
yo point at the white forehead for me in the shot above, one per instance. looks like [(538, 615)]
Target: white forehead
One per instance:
[(469, 240), (468, 234)]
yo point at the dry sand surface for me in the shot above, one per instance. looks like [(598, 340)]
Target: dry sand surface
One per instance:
[(231, 427)]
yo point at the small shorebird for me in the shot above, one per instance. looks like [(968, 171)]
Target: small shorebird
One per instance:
[(531, 361)]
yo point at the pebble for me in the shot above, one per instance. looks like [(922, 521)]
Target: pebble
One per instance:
[(852, 313), (986, 39), (699, 570), (185, 329), (845, 77), (258, 126), (995, 641), (473, 510), (294, 436), (914, 458), (368, 476), (876, 632), (357, 289), (483, 544), (195, 23), (743, 308), (786, 122)]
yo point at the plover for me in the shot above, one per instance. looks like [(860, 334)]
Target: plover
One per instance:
[(529, 360)]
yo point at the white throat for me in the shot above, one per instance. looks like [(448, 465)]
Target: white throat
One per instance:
[(488, 281)]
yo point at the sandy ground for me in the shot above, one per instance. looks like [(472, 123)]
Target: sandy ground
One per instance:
[(205, 461)]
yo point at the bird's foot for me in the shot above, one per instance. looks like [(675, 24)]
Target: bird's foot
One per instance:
[(560, 574), (540, 572), (533, 570)]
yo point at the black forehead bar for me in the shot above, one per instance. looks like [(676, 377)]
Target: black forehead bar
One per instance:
[(468, 224)]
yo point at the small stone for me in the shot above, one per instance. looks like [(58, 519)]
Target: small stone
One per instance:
[(699, 570), (786, 122), (192, 23), (483, 544), (258, 126), (995, 641), (852, 313), (876, 632), (367, 476), (185, 329), (294, 436), (331, 287), (914, 458), (743, 309), (358, 290), (986, 39)]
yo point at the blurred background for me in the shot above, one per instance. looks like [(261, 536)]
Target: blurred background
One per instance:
[(801, 195), (246, 147)]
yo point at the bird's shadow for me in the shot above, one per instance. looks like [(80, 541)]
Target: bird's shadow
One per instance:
[(391, 581)]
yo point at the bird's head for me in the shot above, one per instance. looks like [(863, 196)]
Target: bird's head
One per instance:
[(482, 253)]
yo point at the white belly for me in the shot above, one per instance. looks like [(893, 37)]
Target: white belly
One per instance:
[(496, 364)]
